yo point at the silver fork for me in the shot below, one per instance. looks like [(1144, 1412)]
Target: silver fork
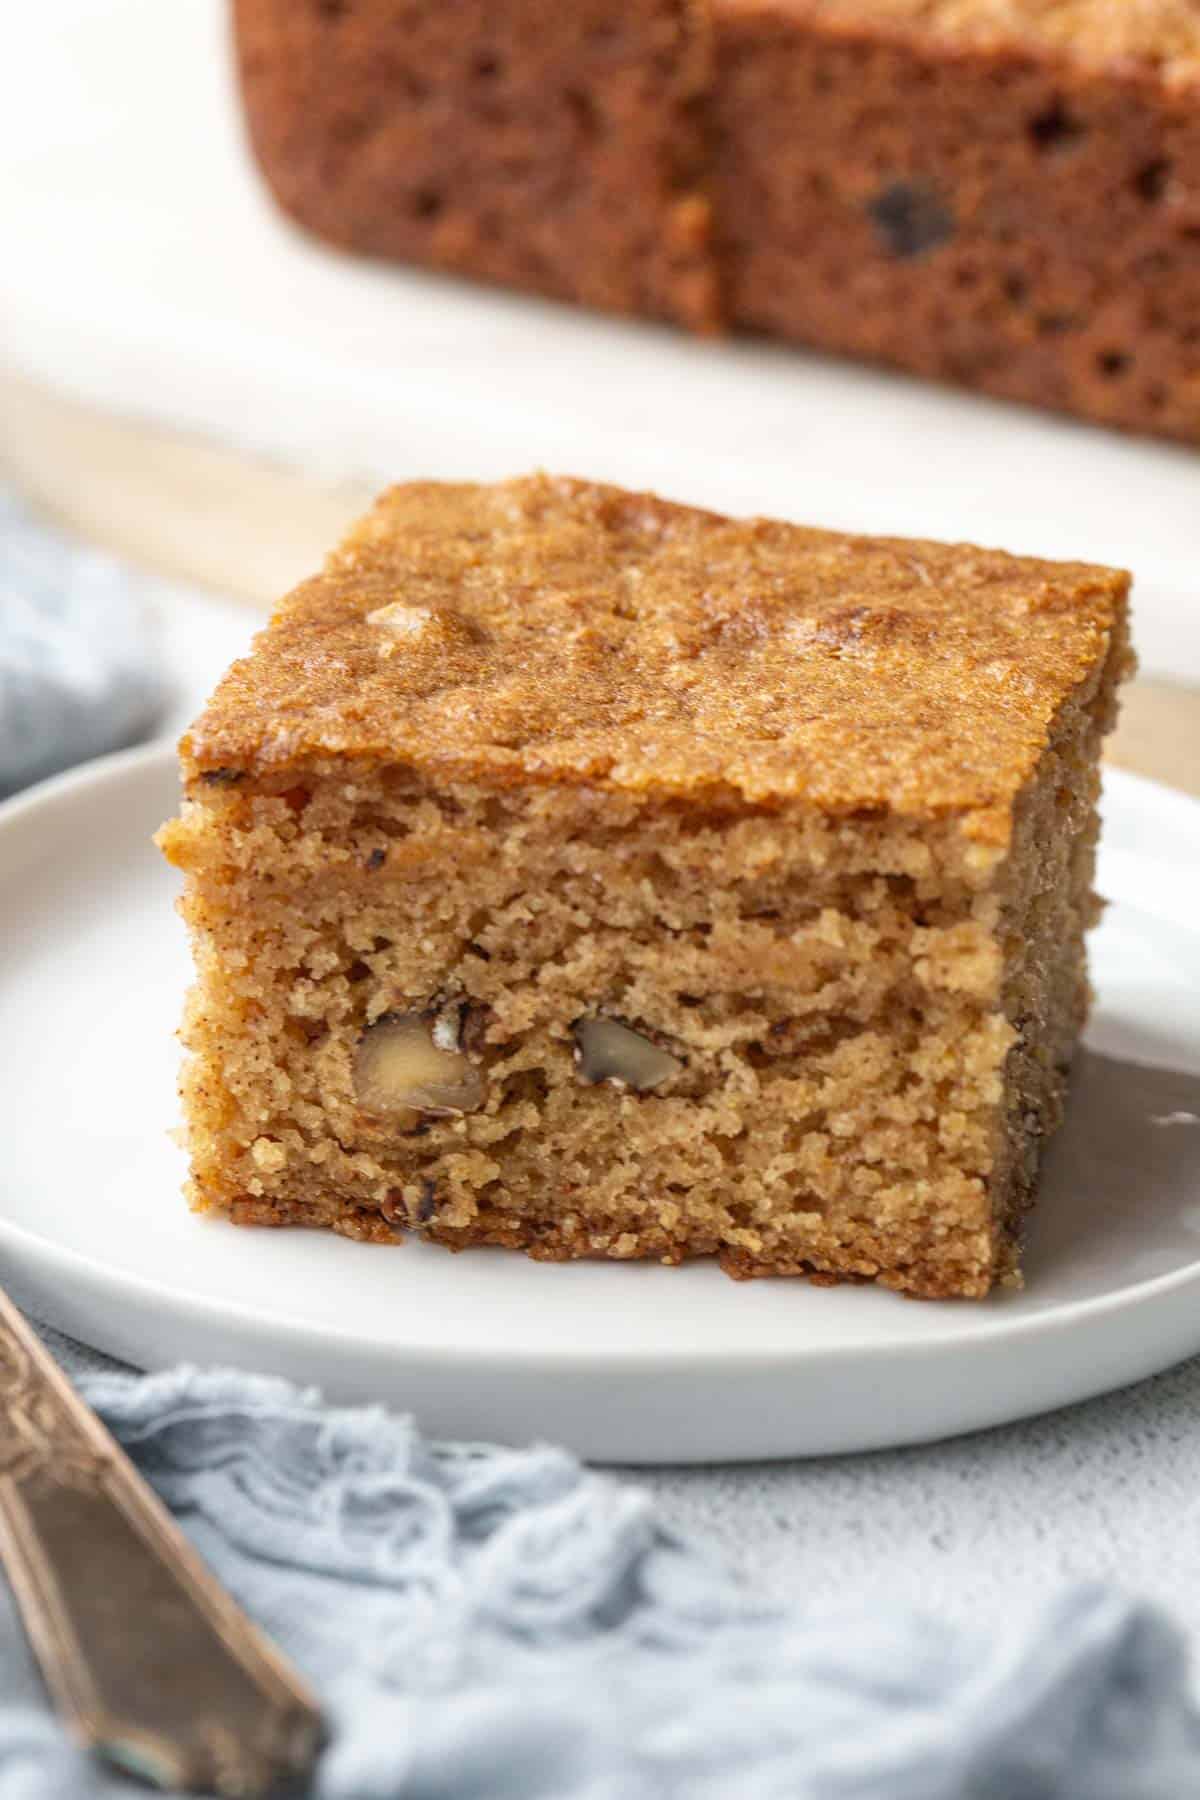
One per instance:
[(152, 1665)]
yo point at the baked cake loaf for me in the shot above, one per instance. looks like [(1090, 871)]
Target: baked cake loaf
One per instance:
[(581, 873), (1002, 193), (552, 147)]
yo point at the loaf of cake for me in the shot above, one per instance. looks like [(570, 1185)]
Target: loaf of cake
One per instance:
[(1001, 193), (580, 873), (556, 148)]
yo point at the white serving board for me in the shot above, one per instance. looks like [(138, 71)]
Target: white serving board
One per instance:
[(145, 271)]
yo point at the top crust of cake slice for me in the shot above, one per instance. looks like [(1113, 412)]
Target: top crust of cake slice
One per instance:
[(1157, 37), (546, 631)]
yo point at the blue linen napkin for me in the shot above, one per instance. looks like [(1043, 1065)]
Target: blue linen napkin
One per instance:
[(78, 672), (490, 1624)]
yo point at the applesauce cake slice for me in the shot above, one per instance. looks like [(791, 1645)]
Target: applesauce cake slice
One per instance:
[(581, 873)]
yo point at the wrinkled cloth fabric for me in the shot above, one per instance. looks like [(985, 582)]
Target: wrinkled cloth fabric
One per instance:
[(490, 1624), (79, 669)]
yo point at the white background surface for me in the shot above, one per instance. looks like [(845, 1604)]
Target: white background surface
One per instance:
[(145, 270)]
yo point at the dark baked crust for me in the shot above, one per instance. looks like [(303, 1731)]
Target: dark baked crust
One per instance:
[(872, 1259), (545, 146), (565, 631), (1005, 195), (999, 193)]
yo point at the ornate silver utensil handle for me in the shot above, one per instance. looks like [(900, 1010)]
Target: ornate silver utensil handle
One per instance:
[(152, 1664)]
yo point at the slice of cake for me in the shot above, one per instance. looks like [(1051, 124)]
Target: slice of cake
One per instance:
[(552, 147), (581, 873)]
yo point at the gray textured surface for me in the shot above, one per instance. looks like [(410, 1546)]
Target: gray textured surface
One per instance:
[(968, 1528)]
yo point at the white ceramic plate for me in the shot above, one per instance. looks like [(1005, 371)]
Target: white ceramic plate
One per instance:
[(149, 274), (623, 1362)]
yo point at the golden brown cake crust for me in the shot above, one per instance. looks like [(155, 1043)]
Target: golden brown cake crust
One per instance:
[(548, 631), (1162, 34)]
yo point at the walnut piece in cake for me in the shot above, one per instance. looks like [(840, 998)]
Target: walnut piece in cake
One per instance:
[(577, 872)]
